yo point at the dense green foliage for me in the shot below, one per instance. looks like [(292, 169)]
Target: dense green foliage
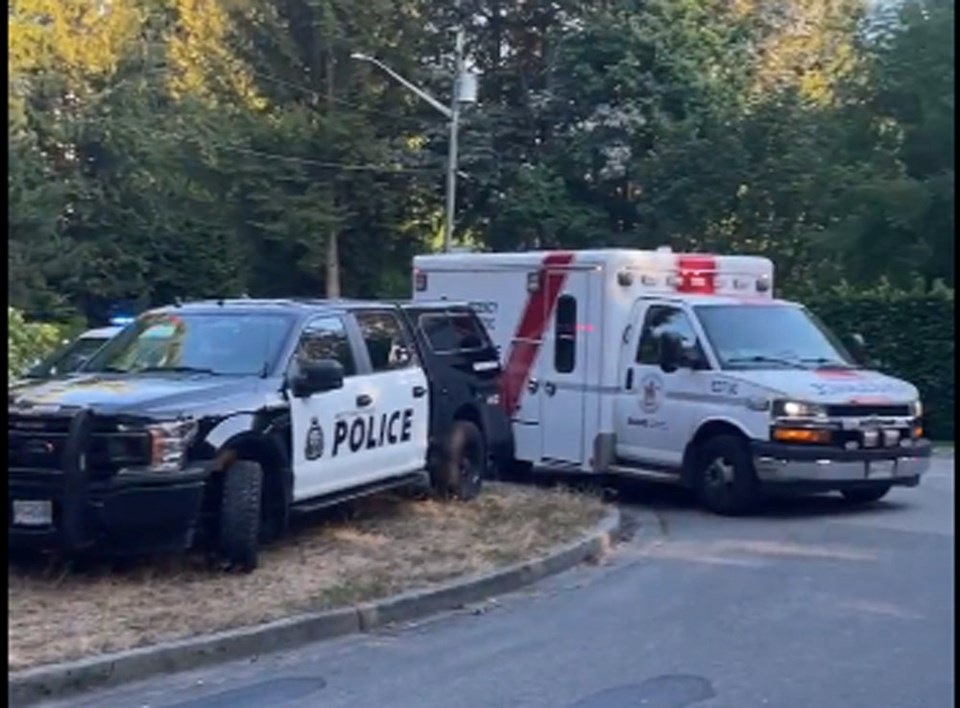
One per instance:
[(28, 342), (164, 148), (910, 334)]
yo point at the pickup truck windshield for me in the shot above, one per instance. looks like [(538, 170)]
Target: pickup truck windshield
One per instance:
[(238, 344), (770, 336)]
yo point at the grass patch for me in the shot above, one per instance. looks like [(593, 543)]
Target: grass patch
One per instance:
[(390, 544)]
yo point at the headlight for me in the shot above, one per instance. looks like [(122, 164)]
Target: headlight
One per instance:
[(169, 443), (917, 409), (798, 409)]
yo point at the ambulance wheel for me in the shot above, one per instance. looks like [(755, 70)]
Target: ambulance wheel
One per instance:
[(240, 515), (726, 480), (866, 495), (462, 466)]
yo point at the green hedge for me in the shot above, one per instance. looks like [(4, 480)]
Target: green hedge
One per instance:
[(28, 341), (911, 334)]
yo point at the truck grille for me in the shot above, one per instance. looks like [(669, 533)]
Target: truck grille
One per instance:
[(868, 410), (37, 442)]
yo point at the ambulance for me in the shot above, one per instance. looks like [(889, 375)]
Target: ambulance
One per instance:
[(682, 368)]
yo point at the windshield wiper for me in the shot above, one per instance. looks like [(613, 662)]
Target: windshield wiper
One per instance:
[(825, 363), (760, 359), (175, 370)]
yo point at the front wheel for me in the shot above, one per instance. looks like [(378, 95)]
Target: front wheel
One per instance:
[(240, 515), (866, 495), (726, 481), (459, 472)]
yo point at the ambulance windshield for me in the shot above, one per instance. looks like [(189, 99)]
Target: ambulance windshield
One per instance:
[(770, 336)]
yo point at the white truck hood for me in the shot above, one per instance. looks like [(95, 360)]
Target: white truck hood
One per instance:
[(830, 386)]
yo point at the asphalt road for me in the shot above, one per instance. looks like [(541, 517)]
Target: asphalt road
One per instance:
[(811, 604)]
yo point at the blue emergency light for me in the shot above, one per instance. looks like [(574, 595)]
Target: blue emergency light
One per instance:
[(121, 320)]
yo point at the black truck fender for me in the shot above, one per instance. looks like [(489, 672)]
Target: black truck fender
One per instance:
[(262, 439)]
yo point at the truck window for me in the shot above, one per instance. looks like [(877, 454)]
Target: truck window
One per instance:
[(326, 338), (386, 342), (660, 319), (565, 333), (453, 333), (226, 343)]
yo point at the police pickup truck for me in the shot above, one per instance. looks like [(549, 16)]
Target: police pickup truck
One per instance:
[(216, 420)]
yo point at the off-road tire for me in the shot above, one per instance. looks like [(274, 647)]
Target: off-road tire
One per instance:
[(240, 515), (462, 463), (734, 495), (866, 495)]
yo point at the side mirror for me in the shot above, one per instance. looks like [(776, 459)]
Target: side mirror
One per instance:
[(858, 348), (399, 355), (316, 377), (671, 352)]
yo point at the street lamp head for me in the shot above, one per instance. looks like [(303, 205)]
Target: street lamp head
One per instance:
[(360, 56)]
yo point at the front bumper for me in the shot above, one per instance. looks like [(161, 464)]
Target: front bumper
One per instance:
[(802, 465), (129, 513)]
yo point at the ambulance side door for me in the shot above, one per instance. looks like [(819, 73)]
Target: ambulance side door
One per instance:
[(657, 410), (321, 464), (396, 412)]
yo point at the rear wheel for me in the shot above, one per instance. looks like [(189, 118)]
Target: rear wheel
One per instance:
[(459, 472), (866, 495), (726, 481), (240, 515)]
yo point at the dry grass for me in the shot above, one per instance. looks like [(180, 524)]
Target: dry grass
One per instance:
[(389, 545)]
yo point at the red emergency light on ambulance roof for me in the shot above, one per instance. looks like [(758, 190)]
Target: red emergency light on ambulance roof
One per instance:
[(700, 274)]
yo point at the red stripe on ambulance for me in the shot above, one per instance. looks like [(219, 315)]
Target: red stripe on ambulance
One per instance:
[(697, 274), (533, 322)]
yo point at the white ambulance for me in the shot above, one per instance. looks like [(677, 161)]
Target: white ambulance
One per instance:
[(681, 368)]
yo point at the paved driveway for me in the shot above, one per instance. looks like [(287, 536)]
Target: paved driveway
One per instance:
[(812, 604)]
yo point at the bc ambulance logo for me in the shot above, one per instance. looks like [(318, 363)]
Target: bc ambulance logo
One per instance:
[(651, 389), (313, 449)]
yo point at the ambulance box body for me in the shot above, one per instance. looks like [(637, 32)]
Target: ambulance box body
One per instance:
[(649, 362)]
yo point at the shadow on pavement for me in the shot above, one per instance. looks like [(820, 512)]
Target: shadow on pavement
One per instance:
[(665, 497)]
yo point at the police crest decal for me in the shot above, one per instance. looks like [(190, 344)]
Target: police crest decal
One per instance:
[(313, 449)]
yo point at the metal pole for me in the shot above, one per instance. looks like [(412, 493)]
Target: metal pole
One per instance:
[(452, 155)]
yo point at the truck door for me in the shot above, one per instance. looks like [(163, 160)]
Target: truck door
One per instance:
[(562, 368), (322, 462), (657, 411), (397, 398)]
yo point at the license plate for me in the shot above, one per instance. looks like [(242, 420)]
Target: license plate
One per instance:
[(32, 513), (881, 469)]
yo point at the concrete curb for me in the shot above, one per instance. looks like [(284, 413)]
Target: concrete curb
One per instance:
[(62, 680)]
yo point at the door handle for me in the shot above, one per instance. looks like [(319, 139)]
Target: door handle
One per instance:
[(364, 400), (550, 388), (419, 391), (533, 386)]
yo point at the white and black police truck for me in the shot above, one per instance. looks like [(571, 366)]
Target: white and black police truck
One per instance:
[(682, 368), (216, 420)]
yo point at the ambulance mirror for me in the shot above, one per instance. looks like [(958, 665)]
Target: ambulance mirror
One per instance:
[(316, 377), (671, 352)]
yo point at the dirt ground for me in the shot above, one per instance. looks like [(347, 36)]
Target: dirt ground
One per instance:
[(387, 545)]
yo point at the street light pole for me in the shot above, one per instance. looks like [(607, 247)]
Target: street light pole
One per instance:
[(453, 150), (462, 93)]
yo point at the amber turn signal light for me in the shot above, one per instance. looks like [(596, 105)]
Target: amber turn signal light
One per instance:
[(801, 435)]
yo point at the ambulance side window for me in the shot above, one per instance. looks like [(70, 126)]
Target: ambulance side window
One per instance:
[(660, 319), (565, 333), (326, 338)]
